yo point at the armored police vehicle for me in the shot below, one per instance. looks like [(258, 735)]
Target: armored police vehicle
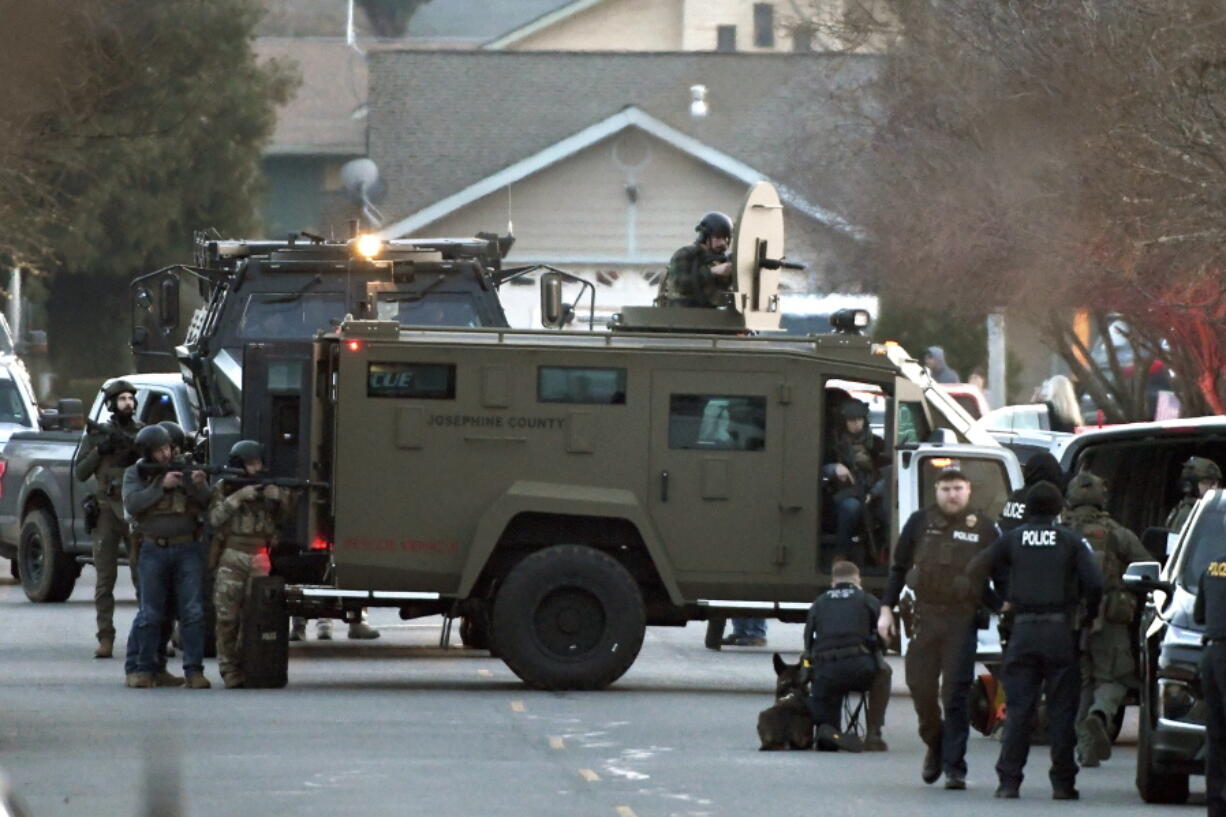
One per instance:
[(567, 489), (245, 352)]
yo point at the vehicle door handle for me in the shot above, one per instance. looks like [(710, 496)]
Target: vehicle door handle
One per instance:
[(663, 486)]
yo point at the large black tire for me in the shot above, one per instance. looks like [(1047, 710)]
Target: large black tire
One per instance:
[(1154, 785), (47, 575), (569, 617)]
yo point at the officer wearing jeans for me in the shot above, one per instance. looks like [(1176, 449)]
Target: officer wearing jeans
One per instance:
[(166, 506), (933, 550), (1210, 610), (1047, 574)]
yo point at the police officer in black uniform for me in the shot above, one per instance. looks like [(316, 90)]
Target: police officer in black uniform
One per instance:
[(844, 656), (1048, 577), (1042, 467), (1210, 610), (933, 550)]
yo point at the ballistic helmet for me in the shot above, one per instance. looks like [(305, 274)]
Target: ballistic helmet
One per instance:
[(178, 437), (1198, 468), (853, 410), (714, 224), (112, 390), (1044, 499), (150, 439), (1087, 489), (245, 451)]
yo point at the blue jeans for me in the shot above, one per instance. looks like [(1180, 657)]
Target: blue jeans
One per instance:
[(749, 627), (180, 567), (849, 514), (168, 625)]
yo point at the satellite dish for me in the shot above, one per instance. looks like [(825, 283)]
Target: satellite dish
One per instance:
[(360, 178)]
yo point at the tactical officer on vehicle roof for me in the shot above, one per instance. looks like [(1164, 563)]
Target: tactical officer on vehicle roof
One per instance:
[(1198, 477), (1045, 572), (165, 504), (1041, 467), (245, 520), (1107, 667), (933, 550), (1210, 610), (845, 655), (107, 449), (699, 273)]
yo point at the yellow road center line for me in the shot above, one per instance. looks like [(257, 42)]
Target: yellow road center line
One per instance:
[(625, 811), (589, 775), (517, 706), (556, 742), (484, 672)]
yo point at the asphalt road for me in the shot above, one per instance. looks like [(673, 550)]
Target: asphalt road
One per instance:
[(401, 727)]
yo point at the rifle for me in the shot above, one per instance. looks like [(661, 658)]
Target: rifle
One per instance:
[(115, 443), (222, 473)]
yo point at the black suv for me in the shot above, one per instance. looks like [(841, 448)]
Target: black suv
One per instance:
[(1171, 740)]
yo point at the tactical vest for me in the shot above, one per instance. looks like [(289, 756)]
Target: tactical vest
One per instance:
[(842, 620), (947, 547), (1014, 512), (111, 466), (1097, 528), (173, 502), (252, 526)]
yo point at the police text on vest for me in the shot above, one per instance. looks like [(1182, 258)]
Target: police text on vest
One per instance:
[(1038, 538)]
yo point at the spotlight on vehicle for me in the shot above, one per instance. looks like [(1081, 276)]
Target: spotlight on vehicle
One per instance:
[(368, 245), (850, 321)]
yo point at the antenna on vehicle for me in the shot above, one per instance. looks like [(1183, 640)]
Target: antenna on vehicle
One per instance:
[(510, 223)]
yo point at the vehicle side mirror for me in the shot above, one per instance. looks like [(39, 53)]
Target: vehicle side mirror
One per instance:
[(140, 337), (552, 312), (1142, 577), (943, 436), (71, 413), (144, 298), (48, 419), (169, 312), (1157, 542)]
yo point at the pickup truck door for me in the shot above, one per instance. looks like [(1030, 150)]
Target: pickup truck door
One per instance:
[(994, 473)]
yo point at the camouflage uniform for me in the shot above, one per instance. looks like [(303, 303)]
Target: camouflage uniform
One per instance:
[(1108, 670), (689, 281), (1194, 470), (245, 530), (104, 455)]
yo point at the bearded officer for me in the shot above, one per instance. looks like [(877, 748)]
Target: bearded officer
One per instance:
[(107, 450), (1198, 477), (1108, 670), (931, 555), (699, 273), (1045, 572)]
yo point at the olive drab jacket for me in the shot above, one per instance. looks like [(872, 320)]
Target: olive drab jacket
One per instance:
[(106, 452), (245, 525), (689, 281), (1115, 547)]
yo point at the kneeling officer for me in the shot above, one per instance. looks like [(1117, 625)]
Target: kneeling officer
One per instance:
[(844, 654), (245, 520), (1046, 573)]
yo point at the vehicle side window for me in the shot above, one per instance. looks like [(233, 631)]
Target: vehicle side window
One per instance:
[(12, 409), (420, 381), (989, 481), (912, 424), (158, 406), (578, 384), (717, 422)]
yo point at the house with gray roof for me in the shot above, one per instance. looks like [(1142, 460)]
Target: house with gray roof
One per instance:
[(603, 162)]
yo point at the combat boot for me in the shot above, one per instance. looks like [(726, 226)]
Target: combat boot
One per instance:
[(297, 629), (1095, 729), (932, 764), (873, 741), (105, 649), (1066, 791), (196, 680), (323, 629), (165, 678), (234, 681), (139, 680), (715, 634), (1007, 791), (362, 631)]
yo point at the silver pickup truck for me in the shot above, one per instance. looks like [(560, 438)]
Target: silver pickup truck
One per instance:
[(42, 526)]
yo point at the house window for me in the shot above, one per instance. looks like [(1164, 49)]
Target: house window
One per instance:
[(725, 38), (717, 422), (802, 39), (764, 25)]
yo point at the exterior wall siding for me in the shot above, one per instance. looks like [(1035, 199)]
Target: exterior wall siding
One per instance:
[(622, 25)]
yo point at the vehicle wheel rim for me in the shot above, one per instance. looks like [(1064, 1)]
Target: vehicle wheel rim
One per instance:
[(569, 622), (35, 559)]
